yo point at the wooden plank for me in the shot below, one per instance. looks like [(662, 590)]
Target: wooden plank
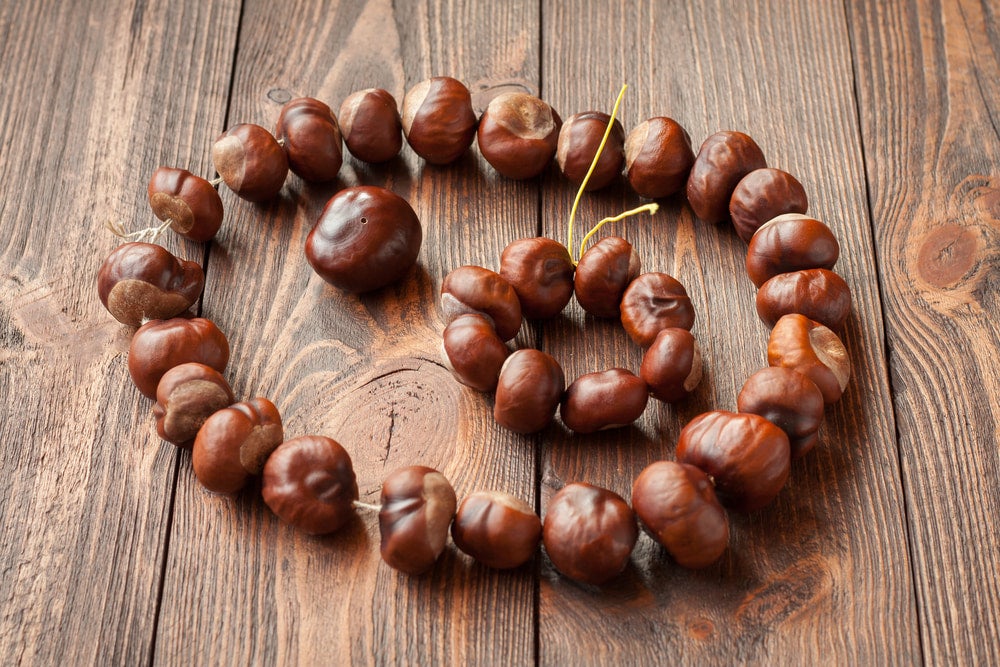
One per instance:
[(363, 370), (929, 94), (96, 95), (821, 576)]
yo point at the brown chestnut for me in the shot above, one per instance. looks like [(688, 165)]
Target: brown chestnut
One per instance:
[(233, 444), (746, 455), (589, 533), (723, 160), (189, 202), (251, 162), (676, 504), (473, 289), (819, 294), (517, 134), (497, 529), (311, 139), (787, 399), (187, 396), (528, 392), (790, 242), (367, 237), (143, 281), (438, 119), (579, 138), (654, 302), (159, 345), (418, 505), (309, 483), (473, 351), (812, 349), (764, 194), (658, 157), (672, 366), (541, 272), (603, 400), (373, 130), (603, 274)]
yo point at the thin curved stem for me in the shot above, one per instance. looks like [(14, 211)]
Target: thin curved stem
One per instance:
[(652, 208)]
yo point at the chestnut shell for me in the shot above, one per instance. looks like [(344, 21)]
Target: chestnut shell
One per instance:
[(140, 281)]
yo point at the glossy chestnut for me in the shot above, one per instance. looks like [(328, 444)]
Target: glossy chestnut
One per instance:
[(812, 349), (497, 529), (790, 242), (473, 351), (603, 400), (541, 272), (186, 397), (438, 119), (819, 294), (589, 533), (518, 134), (677, 506), (234, 443), (658, 157), (473, 289), (528, 392), (654, 302), (367, 237), (746, 455), (311, 139), (789, 400), (309, 483), (723, 160), (418, 505), (764, 194), (579, 138), (251, 162), (189, 202), (603, 274), (159, 345), (372, 127), (672, 365), (143, 281)]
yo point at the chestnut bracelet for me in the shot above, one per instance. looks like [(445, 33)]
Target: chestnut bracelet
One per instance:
[(368, 237)]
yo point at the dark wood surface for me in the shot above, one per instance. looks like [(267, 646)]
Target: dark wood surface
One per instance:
[(882, 549)]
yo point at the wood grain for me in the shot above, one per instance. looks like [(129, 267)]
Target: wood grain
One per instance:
[(929, 102), (821, 576), (95, 96)]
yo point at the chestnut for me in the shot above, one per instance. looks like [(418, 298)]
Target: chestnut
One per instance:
[(541, 272), (233, 444), (602, 275), (189, 202), (589, 533), (812, 349), (251, 162), (603, 400), (497, 529), (186, 396), (517, 134), (370, 122), (367, 237), (473, 289), (438, 119), (764, 194), (311, 139), (473, 351), (790, 242), (654, 302), (528, 392), (142, 281), (819, 294), (723, 160), (418, 505), (658, 157), (789, 400), (579, 139), (309, 483), (677, 506), (672, 366), (746, 455), (159, 345)]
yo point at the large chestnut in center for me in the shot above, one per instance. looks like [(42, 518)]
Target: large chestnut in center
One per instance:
[(366, 238)]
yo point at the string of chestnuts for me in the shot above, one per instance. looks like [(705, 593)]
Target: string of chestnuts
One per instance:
[(368, 237)]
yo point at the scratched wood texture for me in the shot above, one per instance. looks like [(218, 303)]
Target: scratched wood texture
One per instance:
[(883, 547)]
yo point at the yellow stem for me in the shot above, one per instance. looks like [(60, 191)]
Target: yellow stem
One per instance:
[(652, 208)]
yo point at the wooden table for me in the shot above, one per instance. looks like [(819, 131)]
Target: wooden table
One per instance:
[(883, 548)]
